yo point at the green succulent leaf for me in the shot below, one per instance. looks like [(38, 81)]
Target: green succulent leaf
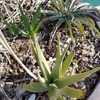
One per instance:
[(60, 98), (56, 70), (66, 63), (69, 11), (72, 92), (91, 22), (41, 60), (31, 27), (92, 25), (35, 87), (53, 92), (69, 80), (36, 21), (80, 26), (60, 65), (70, 32)]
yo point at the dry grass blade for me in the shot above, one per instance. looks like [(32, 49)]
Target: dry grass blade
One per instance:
[(6, 45)]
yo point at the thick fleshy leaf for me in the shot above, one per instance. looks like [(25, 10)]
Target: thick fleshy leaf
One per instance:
[(72, 92), (52, 18), (60, 98), (42, 61), (68, 80), (67, 4), (81, 6), (35, 53), (81, 27), (53, 92), (70, 30), (92, 25), (66, 63), (35, 87), (40, 58), (72, 3), (56, 70), (79, 24), (36, 21)]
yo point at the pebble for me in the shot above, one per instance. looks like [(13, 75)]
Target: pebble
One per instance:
[(32, 97)]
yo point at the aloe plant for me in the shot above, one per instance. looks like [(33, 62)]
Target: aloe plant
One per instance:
[(70, 12), (26, 25), (56, 82)]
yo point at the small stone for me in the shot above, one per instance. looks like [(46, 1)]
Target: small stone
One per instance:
[(84, 52), (32, 97), (85, 59)]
